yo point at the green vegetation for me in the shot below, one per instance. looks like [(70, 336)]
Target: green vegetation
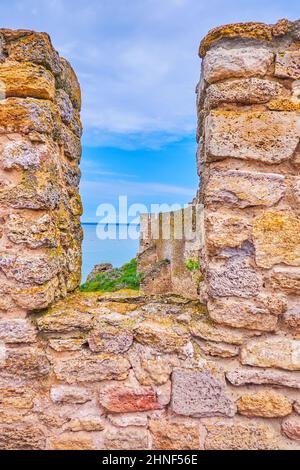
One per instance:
[(125, 277), (192, 265)]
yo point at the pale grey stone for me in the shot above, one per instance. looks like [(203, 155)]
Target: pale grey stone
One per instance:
[(220, 63), (234, 278), (267, 136), (244, 91), (244, 376), (200, 394)]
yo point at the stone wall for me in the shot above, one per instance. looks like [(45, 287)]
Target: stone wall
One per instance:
[(170, 252), (40, 130), (135, 371)]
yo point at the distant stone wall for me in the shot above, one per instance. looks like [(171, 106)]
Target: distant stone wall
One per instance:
[(40, 130), (170, 252)]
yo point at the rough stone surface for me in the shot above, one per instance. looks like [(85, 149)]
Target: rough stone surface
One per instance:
[(234, 278), (204, 329), (27, 80), (24, 437), (247, 91), (69, 394), (17, 331), (287, 64), (131, 438), (257, 436), (168, 435), (122, 399), (242, 314), (92, 368), (220, 63), (273, 352), (276, 239), (199, 394), (291, 428), (269, 137), (239, 189), (243, 376), (267, 404)]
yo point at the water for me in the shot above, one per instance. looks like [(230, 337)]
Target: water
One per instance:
[(95, 251)]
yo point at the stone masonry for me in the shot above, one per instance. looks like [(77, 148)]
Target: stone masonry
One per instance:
[(218, 368), (40, 130)]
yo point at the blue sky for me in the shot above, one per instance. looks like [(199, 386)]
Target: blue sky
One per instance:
[(137, 64)]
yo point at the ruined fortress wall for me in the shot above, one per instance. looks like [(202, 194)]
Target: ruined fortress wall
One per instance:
[(169, 252), (40, 130), (127, 370), (249, 154)]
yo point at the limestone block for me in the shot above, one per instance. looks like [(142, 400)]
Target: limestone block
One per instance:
[(36, 48), (72, 442), (33, 193), (17, 398), (69, 83), (291, 428), (22, 115), (287, 64), (27, 80), (69, 394), (168, 435), (270, 137), (36, 297), (276, 238), (29, 269), (200, 394), (244, 376), (247, 61), (285, 279), (63, 345), (41, 232), (89, 424), (266, 404), (17, 331), (203, 328), (71, 143), (20, 153), (234, 278), (244, 189), (162, 334), (24, 436), (225, 230), (110, 339), (127, 399), (242, 314), (65, 320), (64, 106), (245, 91), (128, 419), (24, 364), (251, 30), (222, 350), (240, 436), (91, 368), (291, 319), (272, 352), (130, 438)]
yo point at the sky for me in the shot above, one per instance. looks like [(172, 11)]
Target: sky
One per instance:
[(138, 67)]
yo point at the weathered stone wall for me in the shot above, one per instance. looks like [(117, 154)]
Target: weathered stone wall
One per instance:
[(40, 130), (132, 371), (169, 252)]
